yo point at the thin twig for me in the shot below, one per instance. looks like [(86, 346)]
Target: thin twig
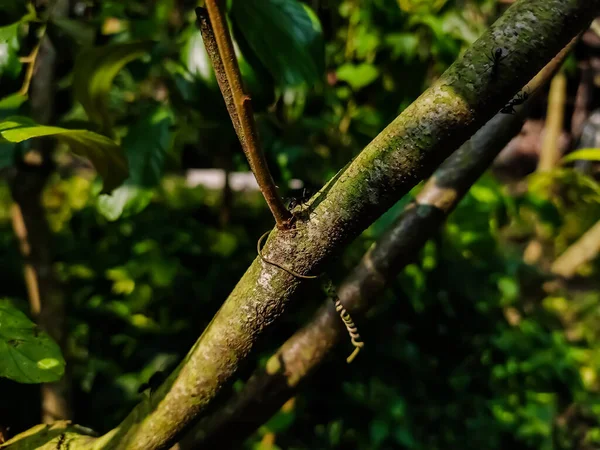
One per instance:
[(30, 61), (208, 37), (215, 33)]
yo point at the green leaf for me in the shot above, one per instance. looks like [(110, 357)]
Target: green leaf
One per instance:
[(27, 354), (146, 146), (285, 36), (195, 58), (9, 106), (81, 33), (585, 154), (357, 76), (93, 75), (106, 156), (11, 103), (125, 201), (9, 32)]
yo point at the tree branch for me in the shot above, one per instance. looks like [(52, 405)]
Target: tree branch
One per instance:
[(268, 388), (441, 119), (29, 217), (215, 34), (583, 250)]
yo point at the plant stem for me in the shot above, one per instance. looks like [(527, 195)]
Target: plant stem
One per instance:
[(215, 34)]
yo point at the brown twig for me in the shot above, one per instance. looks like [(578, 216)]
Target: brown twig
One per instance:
[(219, 46), (30, 61), (208, 37), (550, 153)]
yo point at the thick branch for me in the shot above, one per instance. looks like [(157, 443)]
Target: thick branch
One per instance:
[(441, 119), (215, 34), (267, 389)]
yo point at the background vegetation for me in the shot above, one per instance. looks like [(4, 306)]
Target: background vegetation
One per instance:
[(474, 345)]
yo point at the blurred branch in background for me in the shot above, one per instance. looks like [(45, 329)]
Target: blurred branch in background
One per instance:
[(584, 250), (268, 388), (550, 153), (29, 217)]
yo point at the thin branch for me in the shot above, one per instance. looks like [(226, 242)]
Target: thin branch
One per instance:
[(550, 153), (215, 34), (268, 388), (584, 250), (210, 44), (30, 61)]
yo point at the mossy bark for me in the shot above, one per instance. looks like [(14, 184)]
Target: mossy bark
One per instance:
[(530, 33), (268, 388), (466, 96)]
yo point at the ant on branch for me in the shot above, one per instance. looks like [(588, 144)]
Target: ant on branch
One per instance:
[(299, 201), (154, 382), (496, 58), (519, 99)]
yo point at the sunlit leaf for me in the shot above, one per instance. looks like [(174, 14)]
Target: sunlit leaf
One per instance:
[(285, 35), (357, 76), (93, 75), (27, 354), (106, 156), (423, 6), (126, 200), (585, 154), (11, 103)]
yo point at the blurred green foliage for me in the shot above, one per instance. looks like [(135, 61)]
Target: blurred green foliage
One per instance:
[(469, 348)]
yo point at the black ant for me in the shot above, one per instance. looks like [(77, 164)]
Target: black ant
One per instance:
[(299, 201), (61, 441), (153, 382), (519, 99), (496, 58)]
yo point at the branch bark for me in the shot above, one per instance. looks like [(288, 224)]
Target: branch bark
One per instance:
[(268, 388), (215, 34), (442, 118)]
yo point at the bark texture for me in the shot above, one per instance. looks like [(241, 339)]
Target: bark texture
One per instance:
[(268, 388), (466, 96), (531, 32)]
